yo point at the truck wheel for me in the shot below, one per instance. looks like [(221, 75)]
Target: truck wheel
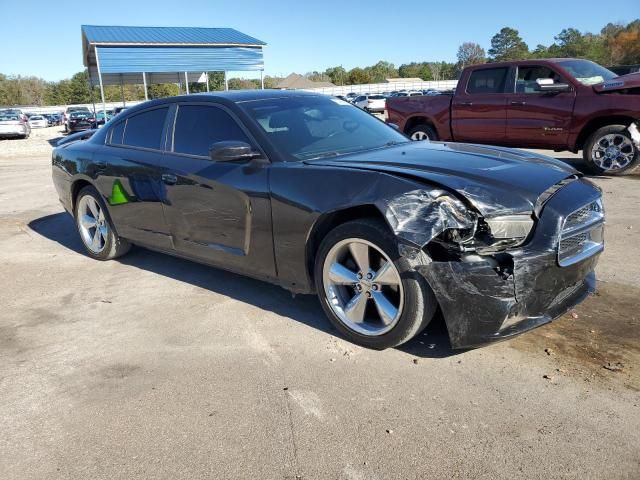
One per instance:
[(423, 132), (610, 151), (370, 293)]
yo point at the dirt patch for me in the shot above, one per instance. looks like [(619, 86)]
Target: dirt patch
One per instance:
[(39, 143), (599, 340)]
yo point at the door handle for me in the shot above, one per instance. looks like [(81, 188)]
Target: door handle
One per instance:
[(467, 104), (169, 178), (519, 104)]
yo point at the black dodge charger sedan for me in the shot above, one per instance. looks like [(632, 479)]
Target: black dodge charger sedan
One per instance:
[(313, 194)]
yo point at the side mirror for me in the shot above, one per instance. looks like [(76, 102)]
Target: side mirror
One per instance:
[(232, 151), (547, 85)]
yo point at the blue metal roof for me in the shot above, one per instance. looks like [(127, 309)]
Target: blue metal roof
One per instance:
[(179, 59), (100, 34)]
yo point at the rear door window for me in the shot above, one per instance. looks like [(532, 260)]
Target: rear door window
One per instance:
[(488, 80), (145, 129), (199, 126)]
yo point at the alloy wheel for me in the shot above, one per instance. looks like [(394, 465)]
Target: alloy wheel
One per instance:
[(613, 151), (363, 287), (92, 224)]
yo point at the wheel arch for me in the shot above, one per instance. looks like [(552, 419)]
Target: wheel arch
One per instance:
[(599, 122), (330, 220), (76, 186), (417, 120)]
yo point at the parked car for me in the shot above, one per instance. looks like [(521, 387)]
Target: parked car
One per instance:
[(562, 104), (38, 121), (67, 114), (371, 103), (103, 117), (14, 111), (80, 120), (625, 69), (316, 195), (12, 124)]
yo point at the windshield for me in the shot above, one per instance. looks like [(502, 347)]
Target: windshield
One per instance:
[(313, 127), (587, 72)]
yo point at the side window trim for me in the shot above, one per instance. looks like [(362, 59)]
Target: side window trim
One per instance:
[(173, 115), (505, 88)]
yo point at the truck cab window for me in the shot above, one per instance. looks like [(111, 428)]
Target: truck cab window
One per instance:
[(527, 76), (487, 80)]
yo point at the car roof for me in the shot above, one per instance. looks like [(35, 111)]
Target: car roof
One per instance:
[(235, 96)]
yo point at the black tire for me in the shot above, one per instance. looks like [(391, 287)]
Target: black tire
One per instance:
[(114, 246), (420, 303), (595, 137), (425, 129)]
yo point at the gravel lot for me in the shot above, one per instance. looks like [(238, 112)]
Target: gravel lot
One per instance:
[(155, 367)]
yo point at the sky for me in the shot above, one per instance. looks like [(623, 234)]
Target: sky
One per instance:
[(42, 37)]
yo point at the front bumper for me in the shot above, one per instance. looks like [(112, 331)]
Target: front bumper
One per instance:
[(482, 304)]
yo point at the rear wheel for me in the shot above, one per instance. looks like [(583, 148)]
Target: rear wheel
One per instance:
[(423, 132), (95, 227), (371, 294), (611, 151)]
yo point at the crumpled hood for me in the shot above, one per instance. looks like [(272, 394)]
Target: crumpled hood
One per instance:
[(494, 180), (631, 80)]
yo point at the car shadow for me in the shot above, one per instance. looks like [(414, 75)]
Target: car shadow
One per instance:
[(60, 228)]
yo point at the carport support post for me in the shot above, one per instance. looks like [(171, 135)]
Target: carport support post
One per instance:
[(207, 73), (186, 82), (144, 82), (122, 91), (226, 81), (262, 79), (104, 107)]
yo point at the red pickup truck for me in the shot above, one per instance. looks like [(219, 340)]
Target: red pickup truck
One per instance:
[(559, 104)]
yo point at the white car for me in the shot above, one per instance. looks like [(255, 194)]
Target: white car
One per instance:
[(38, 121), (371, 103), (12, 124)]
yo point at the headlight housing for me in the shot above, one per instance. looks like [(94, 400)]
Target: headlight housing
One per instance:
[(510, 227)]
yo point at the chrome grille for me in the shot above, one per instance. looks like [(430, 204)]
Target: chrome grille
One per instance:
[(582, 234)]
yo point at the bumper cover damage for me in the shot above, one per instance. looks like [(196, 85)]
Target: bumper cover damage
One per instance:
[(493, 296)]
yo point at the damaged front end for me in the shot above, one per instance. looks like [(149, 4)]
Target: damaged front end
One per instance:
[(497, 276)]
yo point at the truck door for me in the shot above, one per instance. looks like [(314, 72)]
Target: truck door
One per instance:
[(536, 118), (479, 108)]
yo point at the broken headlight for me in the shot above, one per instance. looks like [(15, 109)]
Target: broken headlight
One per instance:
[(510, 227)]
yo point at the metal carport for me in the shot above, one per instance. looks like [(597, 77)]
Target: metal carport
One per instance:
[(117, 55)]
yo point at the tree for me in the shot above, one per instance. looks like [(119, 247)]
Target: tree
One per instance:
[(470, 53), (358, 76), (415, 70), (162, 90), (382, 70), (507, 45), (338, 75)]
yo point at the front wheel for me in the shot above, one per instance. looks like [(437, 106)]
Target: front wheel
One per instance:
[(370, 293), (95, 228), (610, 151), (423, 132)]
